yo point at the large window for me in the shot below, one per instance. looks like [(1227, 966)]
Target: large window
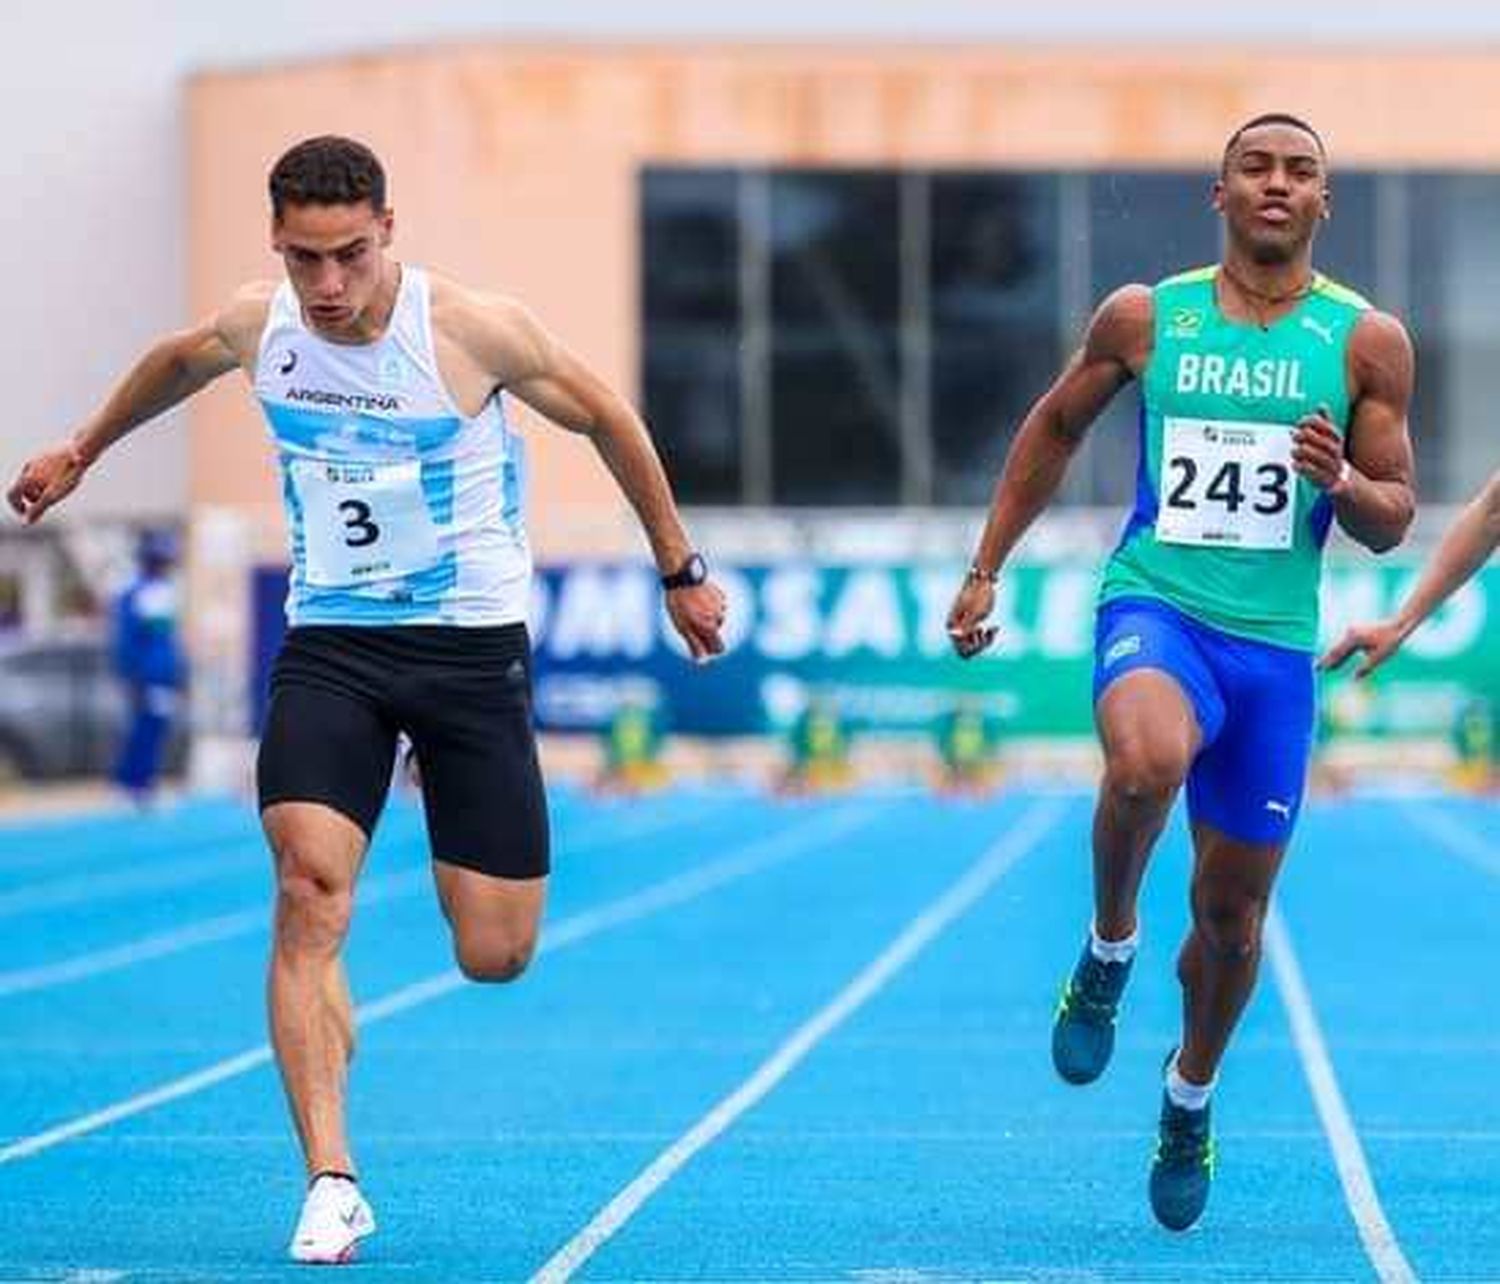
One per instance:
[(1454, 300), (993, 318), (1140, 227), (691, 299), (857, 337), (835, 359)]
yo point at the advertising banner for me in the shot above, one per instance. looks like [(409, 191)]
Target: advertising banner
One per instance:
[(870, 639)]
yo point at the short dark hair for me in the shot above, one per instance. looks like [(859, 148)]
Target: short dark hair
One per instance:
[(327, 170), (1273, 118)]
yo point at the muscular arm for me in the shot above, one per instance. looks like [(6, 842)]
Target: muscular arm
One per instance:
[(168, 373), (1115, 348), (1464, 548), (522, 357), (1376, 504), (531, 364)]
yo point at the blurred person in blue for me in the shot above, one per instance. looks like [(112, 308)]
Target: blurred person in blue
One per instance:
[(148, 661), (386, 388)]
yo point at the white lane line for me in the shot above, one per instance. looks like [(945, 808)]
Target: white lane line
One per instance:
[(1375, 1231), (795, 1138), (199, 862), (247, 921), (245, 856), (204, 858), (1461, 841), (127, 835), (79, 967), (756, 856), (92, 888), (208, 931), (917, 935), (672, 891)]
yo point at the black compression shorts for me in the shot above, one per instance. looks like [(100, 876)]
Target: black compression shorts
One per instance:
[(340, 695)]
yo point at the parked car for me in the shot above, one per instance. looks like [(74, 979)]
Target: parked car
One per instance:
[(62, 711)]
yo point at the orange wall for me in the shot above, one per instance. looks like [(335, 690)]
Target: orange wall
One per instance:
[(515, 168)]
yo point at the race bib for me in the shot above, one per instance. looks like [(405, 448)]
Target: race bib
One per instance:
[(1226, 484), (363, 522)]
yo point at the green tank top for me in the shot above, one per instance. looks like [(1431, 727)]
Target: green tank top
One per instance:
[(1222, 528)]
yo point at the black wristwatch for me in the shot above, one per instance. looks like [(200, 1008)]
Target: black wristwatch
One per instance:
[(692, 572)]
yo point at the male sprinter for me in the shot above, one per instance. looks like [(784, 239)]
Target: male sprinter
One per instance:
[(1465, 547), (408, 598), (1273, 402)]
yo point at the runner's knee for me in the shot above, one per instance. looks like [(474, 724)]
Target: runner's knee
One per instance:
[(494, 956), (1142, 775), (1229, 923), (313, 907)]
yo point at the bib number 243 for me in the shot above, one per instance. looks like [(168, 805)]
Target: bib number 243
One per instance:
[(1226, 484)]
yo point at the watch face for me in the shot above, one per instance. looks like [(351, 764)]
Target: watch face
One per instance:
[(694, 571)]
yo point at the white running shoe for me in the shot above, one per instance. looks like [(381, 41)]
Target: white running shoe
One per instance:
[(334, 1219)]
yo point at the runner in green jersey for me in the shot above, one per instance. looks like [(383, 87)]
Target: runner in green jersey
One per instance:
[(1273, 403)]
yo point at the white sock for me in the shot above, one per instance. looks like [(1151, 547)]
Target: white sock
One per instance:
[(1113, 951), (1185, 1095)]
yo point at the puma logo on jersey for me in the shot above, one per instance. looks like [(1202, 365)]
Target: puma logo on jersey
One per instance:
[(1324, 332), (1240, 377), (1280, 808)]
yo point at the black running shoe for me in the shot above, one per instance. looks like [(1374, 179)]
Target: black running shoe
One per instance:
[(1083, 1032)]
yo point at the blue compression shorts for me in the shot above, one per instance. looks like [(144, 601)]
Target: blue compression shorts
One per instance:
[(1255, 704)]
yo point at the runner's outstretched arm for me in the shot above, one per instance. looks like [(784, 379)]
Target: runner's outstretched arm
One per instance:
[(169, 372), (530, 363), (1114, 349), (1464, 548)]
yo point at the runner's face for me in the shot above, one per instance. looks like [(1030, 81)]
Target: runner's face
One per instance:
[(1273, 192), (334, 256)]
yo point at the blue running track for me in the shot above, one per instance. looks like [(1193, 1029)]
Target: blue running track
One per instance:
[(763, 1041)]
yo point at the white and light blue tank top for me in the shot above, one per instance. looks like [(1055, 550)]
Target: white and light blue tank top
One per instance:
[(402, 509)]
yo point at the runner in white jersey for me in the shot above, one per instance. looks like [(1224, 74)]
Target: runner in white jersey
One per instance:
[(410, 578)]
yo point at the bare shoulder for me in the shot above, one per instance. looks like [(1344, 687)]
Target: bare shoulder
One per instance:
[(1121, 327), (1381, 335), (1381, 355), (242, 319), (1490, 496), (456, 304), (494, 330)]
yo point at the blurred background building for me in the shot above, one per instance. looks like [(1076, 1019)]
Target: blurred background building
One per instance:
[(833, 251)]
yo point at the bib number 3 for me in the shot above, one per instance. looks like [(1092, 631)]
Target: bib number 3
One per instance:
[(363, 522), (359, 530), (1226, 484)]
